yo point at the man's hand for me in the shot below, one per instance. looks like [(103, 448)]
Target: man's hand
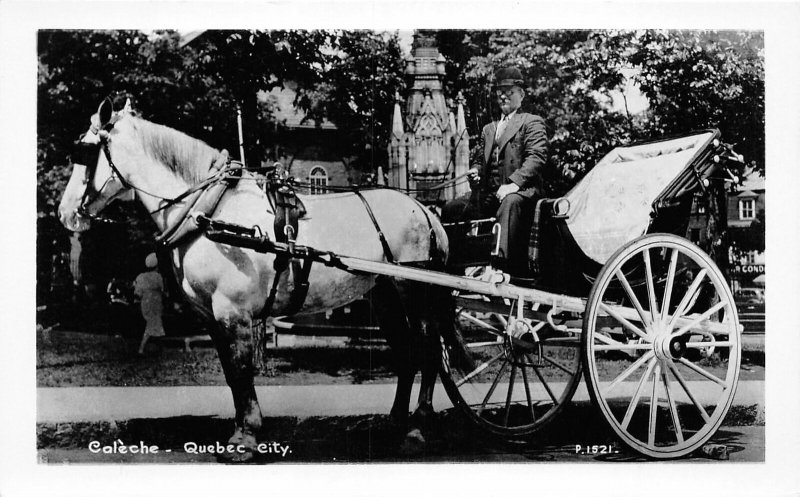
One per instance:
[(473, 176), (504, 190)]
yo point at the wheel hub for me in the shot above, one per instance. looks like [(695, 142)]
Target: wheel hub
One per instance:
[(667, 346)]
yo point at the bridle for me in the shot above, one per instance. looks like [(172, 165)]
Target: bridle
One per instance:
[(88, 154)]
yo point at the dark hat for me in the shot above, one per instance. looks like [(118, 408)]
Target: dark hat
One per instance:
[(508, 76)]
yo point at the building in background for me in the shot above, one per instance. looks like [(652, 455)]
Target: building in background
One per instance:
[(746, 209), (311, 151)]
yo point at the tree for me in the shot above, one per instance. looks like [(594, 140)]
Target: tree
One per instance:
[(248, 62), (365, 72), (704, 79)]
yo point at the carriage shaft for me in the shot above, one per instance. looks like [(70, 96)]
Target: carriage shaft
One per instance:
[(504, 290)]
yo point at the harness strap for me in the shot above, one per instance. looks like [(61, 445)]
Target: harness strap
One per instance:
[(387, 251), (288, 209), (280, 267), (300, 291)]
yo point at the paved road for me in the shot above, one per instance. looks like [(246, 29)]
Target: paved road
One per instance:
[(65, 404)]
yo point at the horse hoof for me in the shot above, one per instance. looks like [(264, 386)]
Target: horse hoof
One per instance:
[(413, 444)]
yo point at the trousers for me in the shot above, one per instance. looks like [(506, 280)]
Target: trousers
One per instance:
[(515, 217)]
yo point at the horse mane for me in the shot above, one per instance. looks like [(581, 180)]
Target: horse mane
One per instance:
[(189, 157)]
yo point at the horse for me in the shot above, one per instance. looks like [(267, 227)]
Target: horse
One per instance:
[(230, 285)]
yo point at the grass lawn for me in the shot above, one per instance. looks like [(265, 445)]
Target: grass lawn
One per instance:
[(82, 359)]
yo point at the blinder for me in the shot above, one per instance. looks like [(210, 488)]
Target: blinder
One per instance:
[(87, 154)]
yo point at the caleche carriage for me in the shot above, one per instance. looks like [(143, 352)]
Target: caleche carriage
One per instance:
[(658, 336)]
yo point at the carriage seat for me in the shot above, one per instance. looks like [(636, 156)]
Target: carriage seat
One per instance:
[(611, 205)]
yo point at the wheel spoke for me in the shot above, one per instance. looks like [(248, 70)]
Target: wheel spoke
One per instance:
[(494, 385), (686, 389), (673, 407), (705, 345), (480, 323), (651, 431), (614, 314), (480, 369), (632, 297), (625, 374), (702, 372), (510, 391), (564, 341), (558, 365), (700, 318), (625, 346), (635, 400), (651, 291), (544, 383), (606, 339), (475, 345), (688, 298), (673, 262), (528, 392)]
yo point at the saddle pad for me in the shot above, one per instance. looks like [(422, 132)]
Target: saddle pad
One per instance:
[(611, 205)]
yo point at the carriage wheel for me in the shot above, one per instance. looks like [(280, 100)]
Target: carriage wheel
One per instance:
[(510, 387), (661, 345)]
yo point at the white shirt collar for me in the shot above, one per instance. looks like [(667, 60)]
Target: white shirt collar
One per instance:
[(509, 116)]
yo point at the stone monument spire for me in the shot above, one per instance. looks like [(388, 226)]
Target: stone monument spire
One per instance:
[(429, 142)]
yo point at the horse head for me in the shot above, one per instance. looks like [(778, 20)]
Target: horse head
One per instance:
[(95, 181)]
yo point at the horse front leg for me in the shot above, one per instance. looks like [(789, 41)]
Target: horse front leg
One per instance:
[(387, 304), (235, 346)]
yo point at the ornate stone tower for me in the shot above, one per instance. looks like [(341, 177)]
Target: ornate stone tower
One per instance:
[(430, 145)]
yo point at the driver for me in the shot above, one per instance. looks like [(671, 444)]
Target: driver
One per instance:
[(507, 180)]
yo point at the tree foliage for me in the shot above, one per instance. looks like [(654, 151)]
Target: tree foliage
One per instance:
[(364, 75), (704, 79)]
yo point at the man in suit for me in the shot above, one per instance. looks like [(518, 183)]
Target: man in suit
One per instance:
[(508, 179)]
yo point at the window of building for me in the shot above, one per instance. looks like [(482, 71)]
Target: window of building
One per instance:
[(318, 180), (747, 209)]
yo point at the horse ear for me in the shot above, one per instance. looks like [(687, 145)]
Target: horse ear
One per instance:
[(105, 111), (128, 109)]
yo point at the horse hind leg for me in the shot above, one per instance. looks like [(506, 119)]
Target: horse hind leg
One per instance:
[(437, 313), (235, 346), (411, 315)]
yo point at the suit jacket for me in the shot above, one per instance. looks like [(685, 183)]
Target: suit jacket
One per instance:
[(518, 156)]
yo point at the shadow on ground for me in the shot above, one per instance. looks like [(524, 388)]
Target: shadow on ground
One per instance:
[(347, 439)]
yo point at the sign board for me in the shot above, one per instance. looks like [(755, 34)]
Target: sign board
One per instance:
[(749, 269)]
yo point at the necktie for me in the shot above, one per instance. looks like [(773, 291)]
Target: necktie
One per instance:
[(501, 126)]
